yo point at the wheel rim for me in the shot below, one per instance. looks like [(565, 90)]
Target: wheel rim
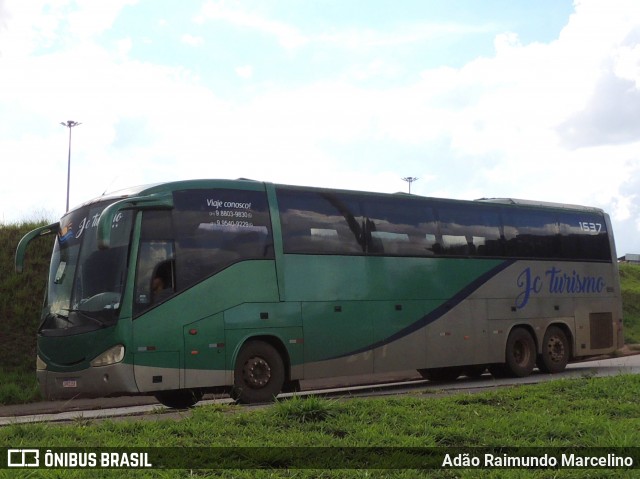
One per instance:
[(555, 349), (521, 353), (256, 373)]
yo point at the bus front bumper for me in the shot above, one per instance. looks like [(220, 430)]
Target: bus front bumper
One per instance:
[(113, 380)]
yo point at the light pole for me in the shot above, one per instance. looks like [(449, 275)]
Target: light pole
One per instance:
[(410, 179), (69, 124)]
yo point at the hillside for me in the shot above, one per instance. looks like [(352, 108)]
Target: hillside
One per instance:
[(21, 297), (630, 285)]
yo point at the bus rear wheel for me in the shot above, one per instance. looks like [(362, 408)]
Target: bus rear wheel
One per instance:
[(259, 373), (179, 398), (555, 351), (520, 356)]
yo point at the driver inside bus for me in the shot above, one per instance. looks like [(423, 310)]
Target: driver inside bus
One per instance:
[(162, 284)]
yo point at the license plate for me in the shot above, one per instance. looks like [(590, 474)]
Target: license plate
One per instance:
[(70, 383)]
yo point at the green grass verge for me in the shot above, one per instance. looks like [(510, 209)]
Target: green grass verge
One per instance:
[(587, 412), (630, 286)]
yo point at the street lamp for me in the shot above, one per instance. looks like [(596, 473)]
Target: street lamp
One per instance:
[(69, 124), (410, 179)]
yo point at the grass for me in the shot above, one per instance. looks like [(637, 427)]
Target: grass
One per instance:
[(310, 409), (571, 413), (630, 287)]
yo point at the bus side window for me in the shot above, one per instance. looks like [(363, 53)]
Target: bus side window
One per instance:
[(584, 236), (155, 274), (217, 228), (320, 223), (531, 233), (470, 231), (155, 278), (399, 226)]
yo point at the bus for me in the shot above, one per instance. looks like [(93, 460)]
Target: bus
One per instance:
[(246, 287)]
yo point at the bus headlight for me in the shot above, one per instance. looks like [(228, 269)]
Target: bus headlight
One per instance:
[(40, 364), (110, 356)]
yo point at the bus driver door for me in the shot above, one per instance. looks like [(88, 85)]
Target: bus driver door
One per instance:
[(156, 351)]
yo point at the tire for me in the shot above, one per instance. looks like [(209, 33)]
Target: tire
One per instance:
[(179, 398), (441, 374), (259, 373), (520, 353), (555, 351)]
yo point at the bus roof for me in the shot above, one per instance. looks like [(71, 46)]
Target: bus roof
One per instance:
[(156, 188), (542, 204)]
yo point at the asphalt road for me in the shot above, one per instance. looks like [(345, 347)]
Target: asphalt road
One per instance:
[(374, 385)]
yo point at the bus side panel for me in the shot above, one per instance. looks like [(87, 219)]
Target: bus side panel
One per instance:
[(455, 339), (389, 317), (380, 306), (157, 370), (597, 327), (204, 352), (341, 330)]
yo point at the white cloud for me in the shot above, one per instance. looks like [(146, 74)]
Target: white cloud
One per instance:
[(191, 40), (90, 18), (245, 71), (288, 36), (414, 33)]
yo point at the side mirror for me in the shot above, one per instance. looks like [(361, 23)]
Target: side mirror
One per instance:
[(30, 236)]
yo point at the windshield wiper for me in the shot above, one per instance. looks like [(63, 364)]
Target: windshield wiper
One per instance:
[(85, 315), (60, 316)]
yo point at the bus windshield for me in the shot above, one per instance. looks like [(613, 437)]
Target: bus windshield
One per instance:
[(86, 283)]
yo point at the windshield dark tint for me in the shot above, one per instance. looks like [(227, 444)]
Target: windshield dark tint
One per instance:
[(85, 283)]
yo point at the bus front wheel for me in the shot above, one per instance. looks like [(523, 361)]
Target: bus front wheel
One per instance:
[(259, 373), (555, 351)]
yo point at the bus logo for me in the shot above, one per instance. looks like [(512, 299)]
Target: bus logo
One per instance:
[(556, 281), (23, 458)]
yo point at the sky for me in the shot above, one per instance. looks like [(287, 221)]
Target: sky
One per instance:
[(499, 98)]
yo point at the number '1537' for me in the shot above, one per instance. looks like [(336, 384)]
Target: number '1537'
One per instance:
[(589, 227)]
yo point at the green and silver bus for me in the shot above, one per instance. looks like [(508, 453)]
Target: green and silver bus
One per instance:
[(183, 288)]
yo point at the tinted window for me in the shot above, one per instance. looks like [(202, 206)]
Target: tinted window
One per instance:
[(470, 230), (531, 233), (400, 226), (216, 228), (584, 236), (155, 276), (320, 222)]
